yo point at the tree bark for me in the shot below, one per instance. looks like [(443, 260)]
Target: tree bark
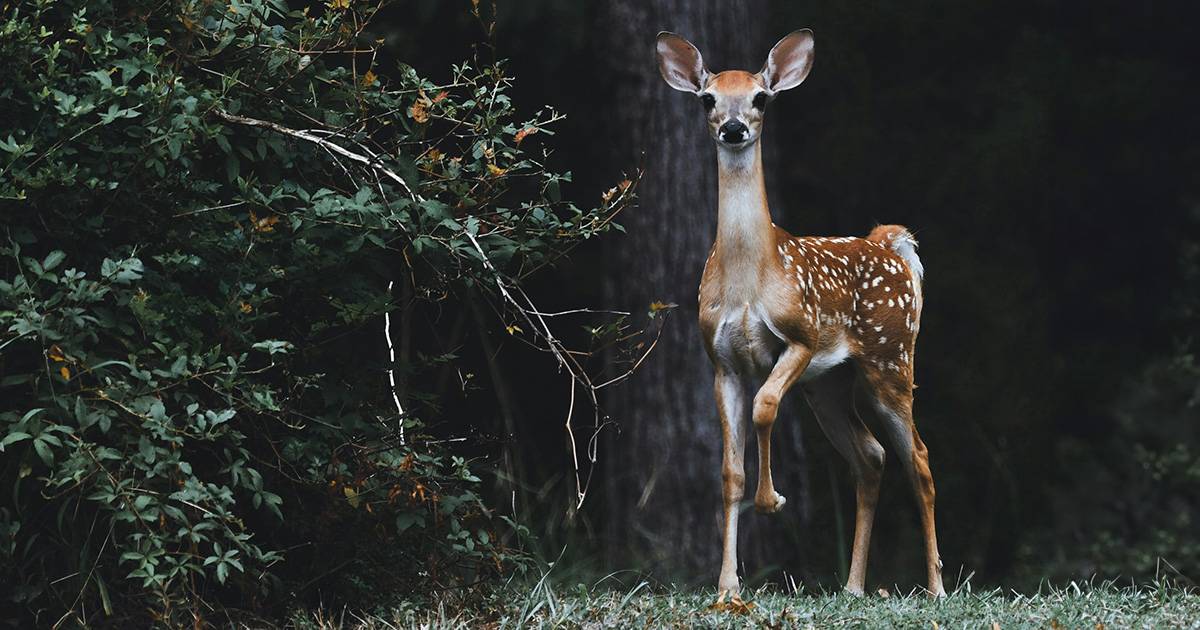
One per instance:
[(662, 469)]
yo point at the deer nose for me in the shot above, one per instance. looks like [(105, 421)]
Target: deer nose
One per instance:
[(733, 131)]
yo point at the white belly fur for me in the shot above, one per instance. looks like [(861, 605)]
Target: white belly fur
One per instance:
[(827, 358), (746, 339)]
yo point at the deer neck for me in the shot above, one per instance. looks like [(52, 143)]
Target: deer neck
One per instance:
[(745, 234)]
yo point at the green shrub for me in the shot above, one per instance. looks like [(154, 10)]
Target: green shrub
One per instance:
[(205, 206)]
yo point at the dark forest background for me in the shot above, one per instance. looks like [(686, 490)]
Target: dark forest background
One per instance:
[(1046, 157), (216, 215)]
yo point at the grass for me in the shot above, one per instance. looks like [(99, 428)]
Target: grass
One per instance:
[(1091, 606)]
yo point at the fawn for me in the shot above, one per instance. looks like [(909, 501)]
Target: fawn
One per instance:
[(840, 316)]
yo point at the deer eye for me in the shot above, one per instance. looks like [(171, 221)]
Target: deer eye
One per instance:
[(709, 101), (760, 101)]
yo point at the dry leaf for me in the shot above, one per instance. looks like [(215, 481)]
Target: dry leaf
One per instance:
[(245, 307), (419, 111), (735, 605), (495, 170), (513, 329), (66, 374), (522, 134), (56, 354), (368, 78), (339, 4), (612, 192), (883, 592), (265, 224)]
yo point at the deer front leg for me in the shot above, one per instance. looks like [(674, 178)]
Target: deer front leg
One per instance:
[(788, 368), (731, 405)]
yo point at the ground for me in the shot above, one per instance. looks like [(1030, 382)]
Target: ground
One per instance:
[(1074, 606)]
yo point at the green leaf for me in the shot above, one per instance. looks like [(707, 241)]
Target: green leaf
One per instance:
[(43, 451), (13, 438), (405, 520), (53, 259)]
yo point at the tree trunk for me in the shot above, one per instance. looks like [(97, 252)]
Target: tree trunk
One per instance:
[(662, 469)]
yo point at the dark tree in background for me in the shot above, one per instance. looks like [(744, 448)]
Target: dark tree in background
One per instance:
[(663, 479)]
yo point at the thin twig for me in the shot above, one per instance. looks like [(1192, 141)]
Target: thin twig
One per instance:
[(309, 136), (387, 334)]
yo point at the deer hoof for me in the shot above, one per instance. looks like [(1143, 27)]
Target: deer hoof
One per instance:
[(769, 504)]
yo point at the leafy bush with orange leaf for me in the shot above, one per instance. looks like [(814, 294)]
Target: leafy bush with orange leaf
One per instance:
[(206, 205)]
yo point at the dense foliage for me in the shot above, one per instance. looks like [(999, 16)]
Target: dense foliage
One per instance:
[(206, 205)]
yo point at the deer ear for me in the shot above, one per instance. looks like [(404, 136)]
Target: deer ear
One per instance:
[(789, 61), (680, 63)]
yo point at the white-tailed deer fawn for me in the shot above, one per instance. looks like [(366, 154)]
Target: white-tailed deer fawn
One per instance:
[(838, 315)]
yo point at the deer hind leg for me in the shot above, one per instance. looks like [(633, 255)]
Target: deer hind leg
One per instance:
[(731, 405), (832, 400), (788, 368), (891, 398)]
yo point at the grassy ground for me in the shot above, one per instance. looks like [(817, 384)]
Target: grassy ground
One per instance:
[(1088, 606)]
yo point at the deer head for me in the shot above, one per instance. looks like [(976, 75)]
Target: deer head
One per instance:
[(734, 100)]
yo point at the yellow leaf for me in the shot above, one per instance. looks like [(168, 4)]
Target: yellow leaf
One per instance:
[(513, 329), (368, 78), (339, 4), (351, 496), (496, 170), (66, 374), (245, 307), (56, 354)]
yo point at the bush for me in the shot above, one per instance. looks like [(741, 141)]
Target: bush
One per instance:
[(206, 206)]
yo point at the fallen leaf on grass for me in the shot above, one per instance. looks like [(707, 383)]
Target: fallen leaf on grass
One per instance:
[(735, 605)]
